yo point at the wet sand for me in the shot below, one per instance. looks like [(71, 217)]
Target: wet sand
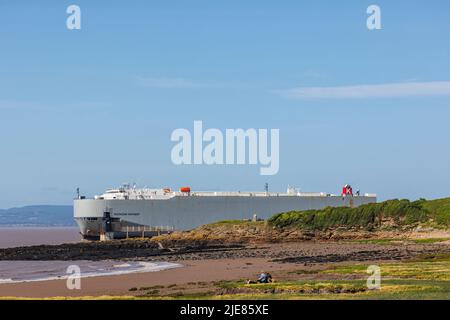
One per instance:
[(11, 237)]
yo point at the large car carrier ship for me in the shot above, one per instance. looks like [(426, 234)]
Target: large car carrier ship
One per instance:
[(130, 211)]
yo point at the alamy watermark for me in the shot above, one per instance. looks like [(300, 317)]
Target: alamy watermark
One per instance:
[(374, 19), (74, 279), (73, 21), (374, 280), (236, 146)]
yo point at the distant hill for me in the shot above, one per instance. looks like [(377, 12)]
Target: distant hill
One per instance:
[(38, 216)]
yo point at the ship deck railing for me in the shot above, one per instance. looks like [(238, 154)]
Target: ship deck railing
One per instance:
[(144, 231), (258, 194), (230, 194), (147, 228)]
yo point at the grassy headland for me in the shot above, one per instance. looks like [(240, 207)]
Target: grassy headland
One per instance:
[(375, 216)]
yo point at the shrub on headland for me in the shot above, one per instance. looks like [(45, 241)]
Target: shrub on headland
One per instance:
[(391, 213)]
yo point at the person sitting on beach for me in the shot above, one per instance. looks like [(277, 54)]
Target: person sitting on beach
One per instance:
[(264, 277)]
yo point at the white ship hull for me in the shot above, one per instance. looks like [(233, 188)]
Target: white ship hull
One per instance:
[(185, 212)]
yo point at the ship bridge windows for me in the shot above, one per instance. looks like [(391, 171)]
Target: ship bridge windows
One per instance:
[(113, 191)]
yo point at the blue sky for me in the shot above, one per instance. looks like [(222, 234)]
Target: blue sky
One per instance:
[(95, 107)]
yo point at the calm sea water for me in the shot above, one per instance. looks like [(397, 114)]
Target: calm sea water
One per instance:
[(27, 236)]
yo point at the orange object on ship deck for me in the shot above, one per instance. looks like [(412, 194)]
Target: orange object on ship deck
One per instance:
[(185, 189)]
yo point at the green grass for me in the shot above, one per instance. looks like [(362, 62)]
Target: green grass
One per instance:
[(394, 289), (439, 209), (425, 267), (370, 216)]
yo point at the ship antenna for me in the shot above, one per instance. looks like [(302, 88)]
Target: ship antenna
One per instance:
[(266, 187), (78, 193)]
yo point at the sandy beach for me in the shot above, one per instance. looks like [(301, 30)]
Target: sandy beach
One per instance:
[(193, 271), (247, 263)]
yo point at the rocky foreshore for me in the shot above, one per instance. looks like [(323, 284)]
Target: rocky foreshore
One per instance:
[(123, 249), (306, 252)]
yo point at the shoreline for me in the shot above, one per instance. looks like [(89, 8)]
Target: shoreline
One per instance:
[(192, 271)]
